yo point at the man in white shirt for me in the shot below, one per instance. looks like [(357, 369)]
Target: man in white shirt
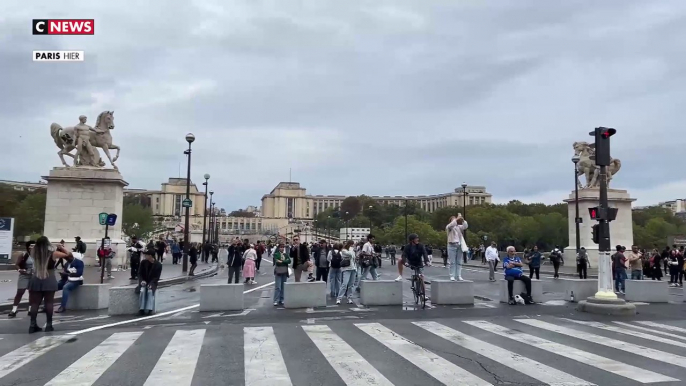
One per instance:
[(456, 245), (492, 259), (367, 258)]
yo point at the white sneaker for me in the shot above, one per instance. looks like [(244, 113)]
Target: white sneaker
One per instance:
[(452, 278), (399, 278), (276, 304), (460, 278), (338, 301), (350, 301)]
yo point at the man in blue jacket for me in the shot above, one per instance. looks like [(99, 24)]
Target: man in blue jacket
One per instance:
[(72, 278), (512, 265)]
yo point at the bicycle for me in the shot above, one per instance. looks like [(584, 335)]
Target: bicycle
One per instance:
[(418, 286)]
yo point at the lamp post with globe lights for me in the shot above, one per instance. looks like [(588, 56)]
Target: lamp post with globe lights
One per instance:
[(464, 209), (204, 217), (577, 219), (187, 203)]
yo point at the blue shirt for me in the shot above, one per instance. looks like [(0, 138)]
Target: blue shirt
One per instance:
[(175, 248), (515, 271)]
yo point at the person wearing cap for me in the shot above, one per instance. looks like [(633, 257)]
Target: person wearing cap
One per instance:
[(149, 276)]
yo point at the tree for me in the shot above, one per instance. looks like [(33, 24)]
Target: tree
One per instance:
[(241, 213), (350, 207), (29, 215), (137, 220)]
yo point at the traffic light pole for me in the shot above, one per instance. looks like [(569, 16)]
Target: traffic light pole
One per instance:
[(605, 290)]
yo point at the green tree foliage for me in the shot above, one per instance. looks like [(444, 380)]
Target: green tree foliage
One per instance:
[(350, 207), (137, 220), (241, 213), (30, 215)]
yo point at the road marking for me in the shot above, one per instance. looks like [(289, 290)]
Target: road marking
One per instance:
[(610, 365), (177, 363), (136, 320), (526, 366), (618, 330), (663, 326), (434, 365), (647, 352), (654, 331), (87, 370), (25, 354), (349, 364), (264, 365)]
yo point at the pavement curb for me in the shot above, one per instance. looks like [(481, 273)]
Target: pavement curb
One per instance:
[(542, 272), (162, 283)]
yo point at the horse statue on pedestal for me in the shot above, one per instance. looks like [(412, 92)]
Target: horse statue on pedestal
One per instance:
[(588, 168), (85, 139)]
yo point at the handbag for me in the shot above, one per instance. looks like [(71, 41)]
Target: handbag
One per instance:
[(281, 270)]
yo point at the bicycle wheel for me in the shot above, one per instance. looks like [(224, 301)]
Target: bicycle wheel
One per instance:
[(422, 293), (415, 290)]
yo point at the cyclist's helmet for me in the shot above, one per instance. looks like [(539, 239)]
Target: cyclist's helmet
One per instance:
[(412, 237)]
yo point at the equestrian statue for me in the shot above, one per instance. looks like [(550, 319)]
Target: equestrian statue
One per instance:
[(588, 168), (85, 139)]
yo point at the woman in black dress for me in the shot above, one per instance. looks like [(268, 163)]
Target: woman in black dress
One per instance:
[(43, 284)]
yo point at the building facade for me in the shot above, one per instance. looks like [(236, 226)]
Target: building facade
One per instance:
[(676, 206), (355, 234), (290, 200)]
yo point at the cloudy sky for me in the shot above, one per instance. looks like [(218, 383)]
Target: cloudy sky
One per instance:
[(375, 97)]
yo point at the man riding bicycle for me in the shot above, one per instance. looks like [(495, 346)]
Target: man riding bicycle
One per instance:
[(414, 254)]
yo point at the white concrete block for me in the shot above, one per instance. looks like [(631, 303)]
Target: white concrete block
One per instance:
[(89, 297), (123, 301), (221, 297), (582, 288), (518, 288), (452, 292), (304, 294), (650, 291), (381, 292)]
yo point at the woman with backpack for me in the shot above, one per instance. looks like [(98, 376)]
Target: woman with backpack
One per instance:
[(281, 263), (348, 271), (335, 259)]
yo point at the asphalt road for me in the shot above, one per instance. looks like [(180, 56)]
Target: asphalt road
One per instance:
[(489, 343)]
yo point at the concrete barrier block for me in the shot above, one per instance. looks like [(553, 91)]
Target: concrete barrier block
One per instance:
[(452, 292), (123, 301), (518, 288), (381, 292), (582, 288), (304, 294), (649, 291), (221, 297), (89, 297)]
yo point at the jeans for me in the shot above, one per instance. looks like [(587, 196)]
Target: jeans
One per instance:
[(234, 272), (620, 276), (510, 284), (556, 267), (673, 274), (67, 287), (491, 270), (392, 258), (454, 255), (335, 279), (366, 271), (108, 266), (348, 284), (534, 271), (322, 274), (279, 287), (582, 268), (636, 274), (146, 299)]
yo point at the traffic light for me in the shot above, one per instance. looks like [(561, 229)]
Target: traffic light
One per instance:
[(596, 233), (593, 212), (602, 145)]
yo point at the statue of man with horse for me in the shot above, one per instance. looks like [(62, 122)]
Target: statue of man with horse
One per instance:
[(588, 168), (85, 140)]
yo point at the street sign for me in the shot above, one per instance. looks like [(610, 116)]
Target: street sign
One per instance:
[(111, 219), (187, 203), (102, 217), (6, 236)]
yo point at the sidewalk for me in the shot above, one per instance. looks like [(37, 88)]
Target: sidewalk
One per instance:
[(546, 269), (171, 274)]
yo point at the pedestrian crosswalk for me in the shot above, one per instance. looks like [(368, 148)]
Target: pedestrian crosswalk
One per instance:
[(522, 350)]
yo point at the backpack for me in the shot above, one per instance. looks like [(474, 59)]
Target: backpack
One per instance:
[(336, 259)]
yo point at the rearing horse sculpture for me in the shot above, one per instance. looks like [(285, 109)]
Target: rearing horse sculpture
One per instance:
[(99, 136), (589, 169)]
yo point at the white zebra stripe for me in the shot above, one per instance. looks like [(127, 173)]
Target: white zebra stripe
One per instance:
[(25, 354), (526, 366), (353, 369), (264, 365), (652, 330), (623, 331), (86, 370), (609, 365), (647, 352), (434, 365), (663, 326), (176, 365)]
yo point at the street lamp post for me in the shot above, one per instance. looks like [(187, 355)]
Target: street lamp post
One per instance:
[(370, 219), (204, 216), (577, 219), (328, 229), (347, 228), (186, 231), (464, 209), (406, 240), (212, 218)]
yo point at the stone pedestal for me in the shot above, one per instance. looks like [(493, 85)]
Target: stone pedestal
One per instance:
[(75, 198), (621, 229)]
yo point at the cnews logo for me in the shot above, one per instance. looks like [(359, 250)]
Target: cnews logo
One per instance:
[(63, 27)]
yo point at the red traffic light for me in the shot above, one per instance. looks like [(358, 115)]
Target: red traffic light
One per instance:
[(593, 212), (607, 133)]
